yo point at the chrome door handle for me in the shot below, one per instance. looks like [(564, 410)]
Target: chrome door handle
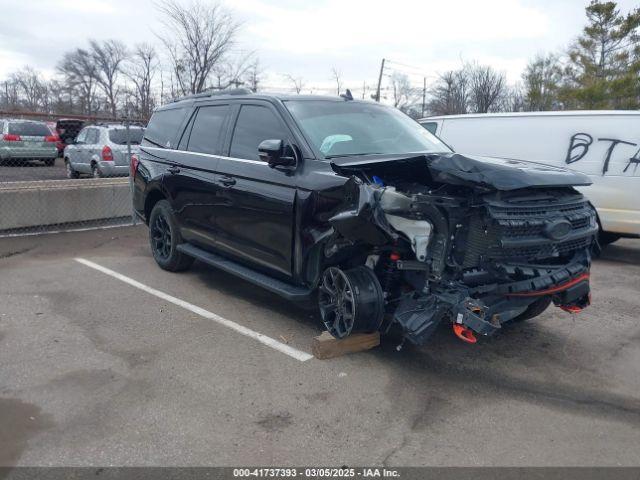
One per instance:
[(173, 169), (227, 181)]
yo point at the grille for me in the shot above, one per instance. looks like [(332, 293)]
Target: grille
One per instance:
[(502, 221), (551, 250)]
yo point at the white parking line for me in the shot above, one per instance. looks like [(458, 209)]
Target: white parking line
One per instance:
[(268, 341)]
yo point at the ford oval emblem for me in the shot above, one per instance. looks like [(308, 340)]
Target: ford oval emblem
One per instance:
[(558, 229)]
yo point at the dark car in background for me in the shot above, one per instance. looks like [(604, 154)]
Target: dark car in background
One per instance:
[(23, 140), (356, 207)]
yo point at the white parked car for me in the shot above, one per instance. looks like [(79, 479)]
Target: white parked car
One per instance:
[(602, 144)]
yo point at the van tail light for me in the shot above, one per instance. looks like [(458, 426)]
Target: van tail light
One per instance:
[(133, 166), (107, 154), (10, 137), (52, 139)]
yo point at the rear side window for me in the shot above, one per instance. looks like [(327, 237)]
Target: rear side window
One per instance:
[(119, 136), (254, 125), (430, 126), (27, 129), (207, 129), (163, 127)]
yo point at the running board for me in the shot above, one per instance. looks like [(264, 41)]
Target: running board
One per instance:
[(285, 290)]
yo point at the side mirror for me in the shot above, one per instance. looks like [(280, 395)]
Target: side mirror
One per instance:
[(276, 154)]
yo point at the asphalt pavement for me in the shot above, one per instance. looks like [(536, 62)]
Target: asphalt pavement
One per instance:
[(145, 367), (32, 170)]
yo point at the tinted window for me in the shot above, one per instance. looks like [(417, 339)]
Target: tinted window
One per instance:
[(27, 129), (163, 127), (119, 135), (254, 125), (430, 126), (207, 129)]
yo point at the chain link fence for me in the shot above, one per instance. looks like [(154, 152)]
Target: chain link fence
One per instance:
[(62, 173)]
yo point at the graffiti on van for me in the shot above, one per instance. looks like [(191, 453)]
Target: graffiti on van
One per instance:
[(581, 142)]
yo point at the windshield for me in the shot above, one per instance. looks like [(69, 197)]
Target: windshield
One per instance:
[(348, 128), (119, 136)]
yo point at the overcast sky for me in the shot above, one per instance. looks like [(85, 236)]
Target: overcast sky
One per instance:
[(308, 38)]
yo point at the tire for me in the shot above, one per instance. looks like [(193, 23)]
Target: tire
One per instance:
[(71, 173), (49, 162), (95, 171), (533, 310), (607, 238), (164, 238)]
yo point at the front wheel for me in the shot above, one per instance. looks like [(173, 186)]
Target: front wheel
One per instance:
[(71, 173), (164, 238)]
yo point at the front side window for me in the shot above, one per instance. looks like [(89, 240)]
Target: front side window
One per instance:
[(346, 128), (255, 124), (82, 136), (207, 129)]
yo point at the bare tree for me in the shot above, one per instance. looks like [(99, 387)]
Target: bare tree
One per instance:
[(254, 75), (298, 82), (197, 37), (232, 71), (79, 72), (450, 94), (487, 88), (405, 97), (108, 57), (32, 88), (141, 70), (336, 76), (10, 95)]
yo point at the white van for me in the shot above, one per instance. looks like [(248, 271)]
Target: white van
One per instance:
[(603, 144)]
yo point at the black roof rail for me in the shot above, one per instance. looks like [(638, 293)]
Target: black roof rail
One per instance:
[(213, 93)]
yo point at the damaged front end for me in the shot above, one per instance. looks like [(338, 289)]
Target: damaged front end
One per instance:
[(446, 238)]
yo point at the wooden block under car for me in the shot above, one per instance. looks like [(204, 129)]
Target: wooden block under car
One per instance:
[(326, 346)]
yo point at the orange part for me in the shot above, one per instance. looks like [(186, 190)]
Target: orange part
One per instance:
[(548, 291), (571, 308), (464, 334)]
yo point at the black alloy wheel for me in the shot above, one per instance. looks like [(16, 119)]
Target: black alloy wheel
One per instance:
[(337, 302), (161, 237)]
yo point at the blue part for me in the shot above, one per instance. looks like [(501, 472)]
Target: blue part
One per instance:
[(377, 180)]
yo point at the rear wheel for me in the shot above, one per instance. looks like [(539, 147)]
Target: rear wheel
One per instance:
[(164, 238), (49, 162), (71, 173), (95, 171)]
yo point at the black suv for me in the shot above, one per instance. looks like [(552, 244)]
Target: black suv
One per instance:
[(355, 206)]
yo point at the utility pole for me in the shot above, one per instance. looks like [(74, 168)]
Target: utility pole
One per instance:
[(364, 89), (424, 93), (379, 81)]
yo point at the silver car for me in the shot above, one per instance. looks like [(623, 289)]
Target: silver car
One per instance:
[(101, 151), (22, 140)]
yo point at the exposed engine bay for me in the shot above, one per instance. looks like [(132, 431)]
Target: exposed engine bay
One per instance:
[(449, 238)]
